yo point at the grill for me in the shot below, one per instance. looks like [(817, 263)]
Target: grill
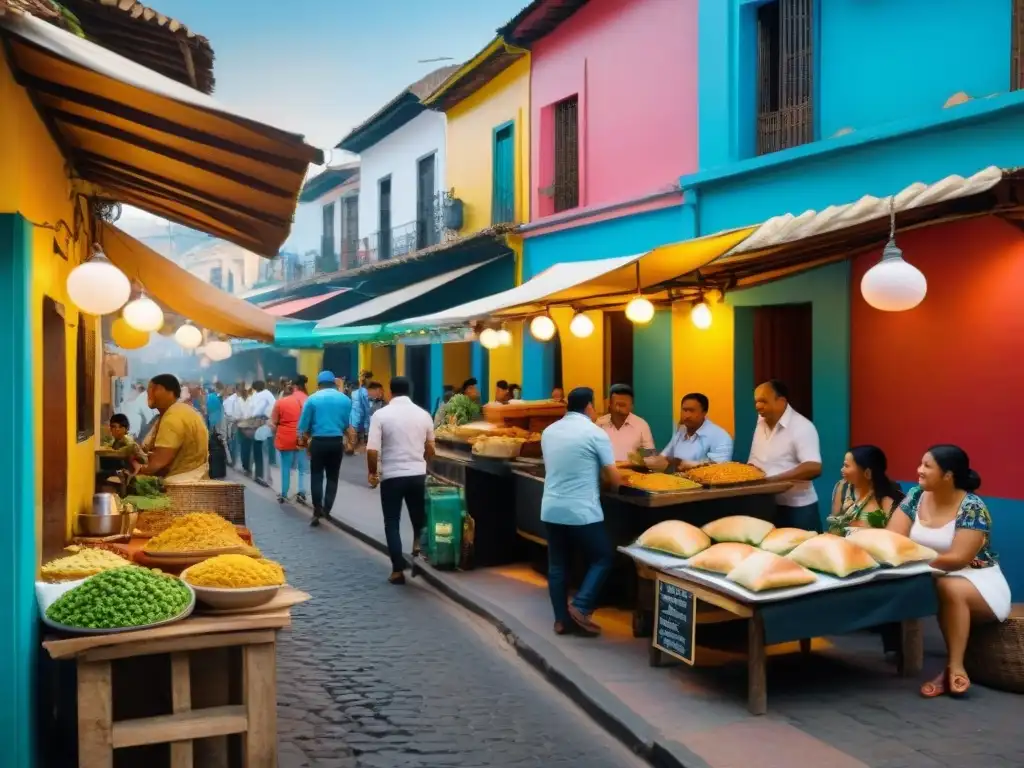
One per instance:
[(567, 155), (785, 60)]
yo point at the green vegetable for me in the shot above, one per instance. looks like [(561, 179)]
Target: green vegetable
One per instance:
[(146, 485), (877, 518), (462, 410), (149, 503), (120, 598)]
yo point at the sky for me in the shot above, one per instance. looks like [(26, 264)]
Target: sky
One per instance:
[(321, 67)]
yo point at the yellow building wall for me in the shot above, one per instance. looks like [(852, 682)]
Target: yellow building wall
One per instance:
[(470, 148), (457, 363), (506, 362), (380, 364), (702, 360), (582, 359), (33, 182), (399, 360), (310, 363)]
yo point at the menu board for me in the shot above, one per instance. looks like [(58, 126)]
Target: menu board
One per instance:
[(675, 620)]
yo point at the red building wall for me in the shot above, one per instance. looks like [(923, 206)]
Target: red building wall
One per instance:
[(952, 369)]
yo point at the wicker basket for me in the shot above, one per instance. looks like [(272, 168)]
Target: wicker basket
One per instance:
[(995, 653), (226, 499)]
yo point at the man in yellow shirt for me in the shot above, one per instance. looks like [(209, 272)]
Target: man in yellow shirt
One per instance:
[(179, 443)]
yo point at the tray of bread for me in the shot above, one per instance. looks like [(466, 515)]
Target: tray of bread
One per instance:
[(725, 475), (754, 561), (654, 483)]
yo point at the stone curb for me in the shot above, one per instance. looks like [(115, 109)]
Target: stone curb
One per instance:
[(551, 662)]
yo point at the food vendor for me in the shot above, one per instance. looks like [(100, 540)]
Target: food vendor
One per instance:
[(697, 440), (627, 431), (502, 392), (786, 447), (178, 445)]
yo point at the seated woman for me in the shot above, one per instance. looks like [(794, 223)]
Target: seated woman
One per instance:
[(942, 512), (865, 497)]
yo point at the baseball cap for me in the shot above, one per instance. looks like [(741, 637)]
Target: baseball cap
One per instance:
[(325, 377)]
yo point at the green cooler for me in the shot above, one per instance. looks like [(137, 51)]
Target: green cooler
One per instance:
[(444, 526)]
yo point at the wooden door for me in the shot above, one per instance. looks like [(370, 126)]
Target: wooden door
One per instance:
[(618, 349), (782, 350), (55, 429)]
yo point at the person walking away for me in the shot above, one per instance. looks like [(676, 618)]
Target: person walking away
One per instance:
[(361, 407), (178, 445), (232, 415), (578, 461), (399, 446), (284, 420), (261, 405), (325, 421)]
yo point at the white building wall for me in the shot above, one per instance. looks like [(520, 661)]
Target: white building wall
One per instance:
[(397, 155)]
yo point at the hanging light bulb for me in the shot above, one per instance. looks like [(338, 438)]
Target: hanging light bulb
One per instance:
[(640, 311), (218, 350), (143, 314), (188, 336), (97, 287), (504, 338), (700, 315), (542, 328), (126, 337), (581, 326), (489, 339), (893, 285)]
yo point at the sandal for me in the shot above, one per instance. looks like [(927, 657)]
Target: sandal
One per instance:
[(936, 687), (958, 685)]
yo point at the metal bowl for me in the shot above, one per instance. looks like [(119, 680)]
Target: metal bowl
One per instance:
[(105, 504), (100, 525)]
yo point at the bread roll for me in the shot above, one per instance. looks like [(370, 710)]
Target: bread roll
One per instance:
[(675, 537), (828, 553), (722, 558), (782, 541), (890, 548), (766, 570), (747, 530)]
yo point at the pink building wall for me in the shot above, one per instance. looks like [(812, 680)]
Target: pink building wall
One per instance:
[(633, 65)]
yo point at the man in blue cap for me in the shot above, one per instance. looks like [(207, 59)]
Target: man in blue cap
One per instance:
[(326, 418)]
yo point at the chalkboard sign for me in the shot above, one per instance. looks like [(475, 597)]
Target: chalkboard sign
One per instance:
[(675, 625)]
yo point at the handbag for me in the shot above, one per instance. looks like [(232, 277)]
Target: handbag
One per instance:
[(263, 433)]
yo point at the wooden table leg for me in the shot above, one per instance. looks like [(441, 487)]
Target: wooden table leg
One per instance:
[(181, 701), (95, 715), (260, 662), (757, 682), (911, 658), (211, 674)]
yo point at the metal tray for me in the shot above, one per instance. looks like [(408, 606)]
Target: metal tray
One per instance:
[(120, 630)]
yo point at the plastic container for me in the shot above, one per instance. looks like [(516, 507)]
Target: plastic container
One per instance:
[(444, 526)]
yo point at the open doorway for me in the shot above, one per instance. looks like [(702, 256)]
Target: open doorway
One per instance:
[(783, 351), (55, 429), (618, 349), (417, 369)]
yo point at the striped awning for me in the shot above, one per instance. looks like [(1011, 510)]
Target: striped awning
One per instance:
[(290, 307), (143, 139)]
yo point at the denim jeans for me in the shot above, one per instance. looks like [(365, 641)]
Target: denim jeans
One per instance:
[(301, 462), (411, 490), (593, 541), (325, 455), (271, 453), (252, 453)]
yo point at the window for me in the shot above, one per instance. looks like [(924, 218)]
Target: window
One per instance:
[(327, 241), (567, 155), (384, 220), (503, 180), (349, 231), (426, 223), (217, 277), (231, 283), (85, 383), (784, 75), (1016, 45)]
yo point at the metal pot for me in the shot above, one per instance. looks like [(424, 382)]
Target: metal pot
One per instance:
[(106, 504), (101, 525)]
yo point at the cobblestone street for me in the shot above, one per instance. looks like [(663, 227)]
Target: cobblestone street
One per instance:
[(374, 676)]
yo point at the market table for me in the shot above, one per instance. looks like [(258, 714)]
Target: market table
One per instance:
[(835, 612), (223, 671)]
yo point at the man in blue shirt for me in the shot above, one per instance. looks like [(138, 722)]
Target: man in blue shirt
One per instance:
[(698, 440), (578, 460), (361, 411), (326, 418)]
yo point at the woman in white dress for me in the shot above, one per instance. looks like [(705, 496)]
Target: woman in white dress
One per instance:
[(942, 512)]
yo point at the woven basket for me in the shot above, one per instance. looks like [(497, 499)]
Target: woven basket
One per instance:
[(226, 499), (995, 653)]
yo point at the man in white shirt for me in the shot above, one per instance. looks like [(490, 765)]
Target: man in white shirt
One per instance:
[(627, 431), (786, 447), (399, 444), (258, 409), (232, 414)]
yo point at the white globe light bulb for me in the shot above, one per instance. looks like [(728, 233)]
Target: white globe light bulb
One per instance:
[(640, 311), (700, 315), (893, 285), (97, 287), (188, 336), (504, 338), (542, 328), (581, 326), (489, 339), (143, 314), (218, 350)]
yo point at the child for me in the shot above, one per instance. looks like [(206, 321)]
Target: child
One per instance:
[(121, 442)]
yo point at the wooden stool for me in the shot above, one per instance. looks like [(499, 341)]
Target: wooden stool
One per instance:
[(248, 710), (995, 653)]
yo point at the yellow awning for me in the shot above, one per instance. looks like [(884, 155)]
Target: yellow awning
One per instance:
[(151, 142), (184, 293), (597, 284)]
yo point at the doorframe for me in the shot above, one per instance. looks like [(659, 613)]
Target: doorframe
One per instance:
[(19, 642)]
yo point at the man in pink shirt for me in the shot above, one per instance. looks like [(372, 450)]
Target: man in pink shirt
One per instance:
[(628, 432)]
